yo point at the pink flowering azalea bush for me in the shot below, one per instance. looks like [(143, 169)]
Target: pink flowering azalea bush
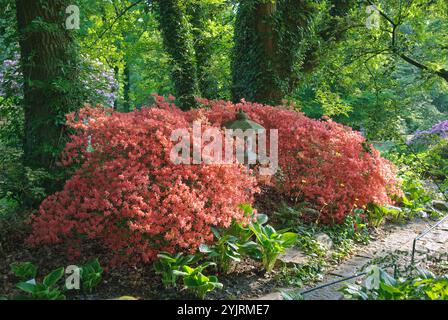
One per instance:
[(321, 162), (129, 196)]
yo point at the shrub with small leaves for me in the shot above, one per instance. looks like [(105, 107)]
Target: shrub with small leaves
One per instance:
[(128, 194)]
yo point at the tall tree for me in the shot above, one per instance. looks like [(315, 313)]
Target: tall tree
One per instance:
[(268, 35), (333, 27), (49, 64), (174, 26), (202, 49)]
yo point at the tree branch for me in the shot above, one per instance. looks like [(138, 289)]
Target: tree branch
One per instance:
[(441, 73), (118, 17)]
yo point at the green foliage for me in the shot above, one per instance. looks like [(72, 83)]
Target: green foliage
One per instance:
[(268, 39), (21, 184), (415, 196), (196, 282), (234, 243), (178, 43), (224, 250), (377, 214), (365, 68), (291, 295), (299, 275), (91, 275), (332, 104), (168, 265), (271, 243), (24, 271), (47, 290), (379, 285)]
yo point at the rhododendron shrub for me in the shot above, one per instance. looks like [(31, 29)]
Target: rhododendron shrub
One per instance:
[(128, 195), (321, 162)]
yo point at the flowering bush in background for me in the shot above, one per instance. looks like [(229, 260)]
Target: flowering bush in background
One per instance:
[(98, 80), (128, 195), (439, 130), (322, 162), (10, 77)]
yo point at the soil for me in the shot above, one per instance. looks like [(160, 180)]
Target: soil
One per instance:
[(247, 280)]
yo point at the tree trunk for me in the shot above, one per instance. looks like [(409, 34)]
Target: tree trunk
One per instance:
[(331, 31), (177, 41), (253, 73), (127, 87), (268, 35), (50, 70), (202, 49)]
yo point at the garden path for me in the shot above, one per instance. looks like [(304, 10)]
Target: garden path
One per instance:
[(395, 238)]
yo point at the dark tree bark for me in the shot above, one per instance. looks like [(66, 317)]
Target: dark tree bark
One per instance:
[(49, 65), (332, 31), (127, 87), (202, 49), (177, 41), (253, 75), (268, 35)]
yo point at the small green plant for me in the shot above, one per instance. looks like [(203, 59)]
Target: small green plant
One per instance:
[(91, 275), (291, 295), (168, 264), (47, 290), (231, 245), (271, 242), (379, 285), (301, 274), (377, 214), (224, 251), (24, 271), (195, 281)]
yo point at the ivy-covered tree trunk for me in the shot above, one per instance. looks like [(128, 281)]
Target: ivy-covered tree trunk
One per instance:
[(253, 74), (49, 65), (177, 40), (268, 35), (127, 86), (202, 49), (331, 31)]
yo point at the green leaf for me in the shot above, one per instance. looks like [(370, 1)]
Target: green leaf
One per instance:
[(203, 248), (53, 277), (24, 271), (261, 218), (289, 239), (27, 287)]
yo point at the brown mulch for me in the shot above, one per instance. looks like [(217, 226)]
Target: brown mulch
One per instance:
[(246, 281)]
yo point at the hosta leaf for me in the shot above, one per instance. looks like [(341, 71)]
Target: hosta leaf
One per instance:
[(53, 277), (27, 287)]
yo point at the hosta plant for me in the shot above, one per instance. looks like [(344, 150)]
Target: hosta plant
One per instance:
[(46, 290), (223, 251), (272, 243), (169, 263), (233, 243), (25, 271), (198, 283), (91, 275), (379, 285)]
